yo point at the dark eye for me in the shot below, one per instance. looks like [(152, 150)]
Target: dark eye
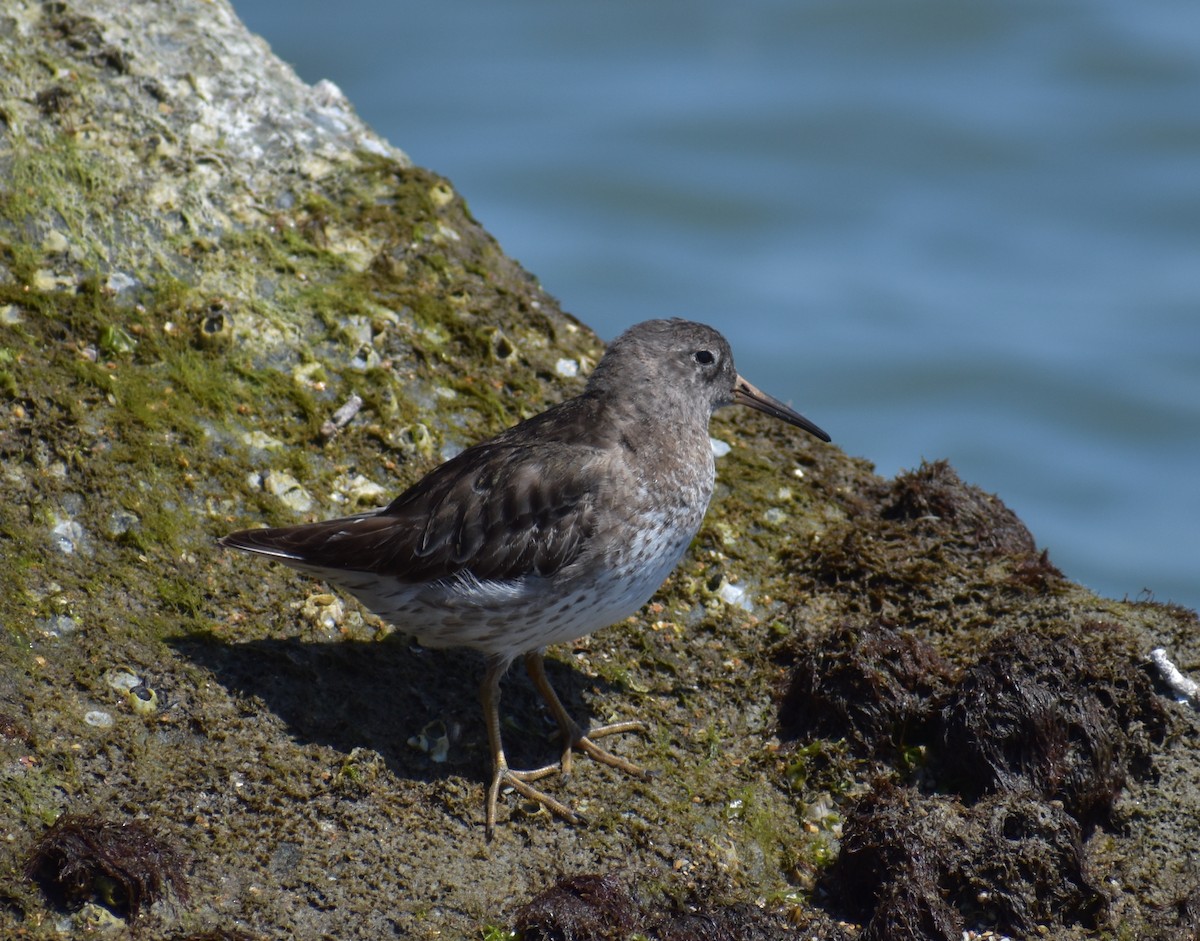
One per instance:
[(704, 357)]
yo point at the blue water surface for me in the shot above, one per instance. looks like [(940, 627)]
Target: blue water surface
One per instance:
[(940, 229)]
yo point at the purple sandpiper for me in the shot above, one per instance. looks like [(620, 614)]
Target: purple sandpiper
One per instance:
[(555, 528)]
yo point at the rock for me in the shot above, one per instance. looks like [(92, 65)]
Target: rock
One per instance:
[(201, 260)]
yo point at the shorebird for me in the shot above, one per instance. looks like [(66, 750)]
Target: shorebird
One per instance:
[(559, 526)]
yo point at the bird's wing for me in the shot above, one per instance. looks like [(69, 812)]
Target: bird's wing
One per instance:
[(504, 511), (499, 510)]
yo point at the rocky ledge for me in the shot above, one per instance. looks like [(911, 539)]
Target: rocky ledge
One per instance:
[(876, 708)]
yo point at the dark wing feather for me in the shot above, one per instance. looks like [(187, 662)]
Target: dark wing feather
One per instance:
[(320, 545), (503, 509), (507, 511)]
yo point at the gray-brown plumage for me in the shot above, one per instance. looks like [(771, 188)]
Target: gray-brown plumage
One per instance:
[(556, 527)]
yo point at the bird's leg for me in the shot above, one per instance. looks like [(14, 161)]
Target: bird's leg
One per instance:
[(502, 774), (572, 734)]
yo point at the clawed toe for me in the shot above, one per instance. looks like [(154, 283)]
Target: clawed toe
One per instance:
[(573, 737), (585, 744), (519, 782)]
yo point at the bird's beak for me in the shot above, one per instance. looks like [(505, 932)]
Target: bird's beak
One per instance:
[(744, 393)]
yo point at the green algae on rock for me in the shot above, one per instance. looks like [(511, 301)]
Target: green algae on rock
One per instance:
[(201, 260)]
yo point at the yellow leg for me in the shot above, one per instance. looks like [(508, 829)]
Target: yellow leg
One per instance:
[(573, 738), (502, 774)]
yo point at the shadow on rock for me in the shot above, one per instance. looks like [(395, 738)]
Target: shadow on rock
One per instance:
[(418, 709)]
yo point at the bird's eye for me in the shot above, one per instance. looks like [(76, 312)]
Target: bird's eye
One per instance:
[(704, 357)]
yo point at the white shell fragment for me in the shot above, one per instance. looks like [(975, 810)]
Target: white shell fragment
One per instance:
[(1184, 688)]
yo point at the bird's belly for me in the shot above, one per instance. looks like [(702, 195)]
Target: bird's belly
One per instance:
[(512, 617)]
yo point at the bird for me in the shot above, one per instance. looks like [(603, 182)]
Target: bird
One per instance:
[(558, 526)]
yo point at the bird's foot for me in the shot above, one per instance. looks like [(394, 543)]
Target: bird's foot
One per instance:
[(521, 781), (584, 743)]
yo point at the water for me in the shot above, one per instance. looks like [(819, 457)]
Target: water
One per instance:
[(941, 230)]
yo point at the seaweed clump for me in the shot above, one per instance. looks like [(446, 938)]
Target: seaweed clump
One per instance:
[(580, 908), (124, 866), (875, 686), (934, 497), (602, 908), (1030, 745), (999, 728), (928, 866), (910, 548), (1054, 713)]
